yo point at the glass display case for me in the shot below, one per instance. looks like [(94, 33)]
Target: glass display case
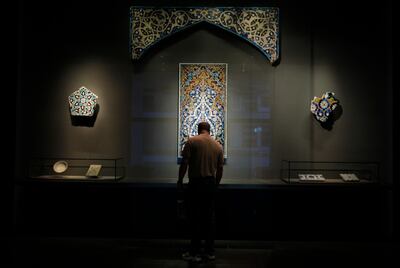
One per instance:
[(329, 172), (77, 168)]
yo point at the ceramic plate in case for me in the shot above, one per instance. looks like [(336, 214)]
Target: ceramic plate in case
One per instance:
[(60, 166)]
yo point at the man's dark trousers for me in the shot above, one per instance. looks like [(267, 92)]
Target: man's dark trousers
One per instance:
[(201, 197)]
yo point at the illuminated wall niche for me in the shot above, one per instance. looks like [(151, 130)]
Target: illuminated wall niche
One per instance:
[(202, 97)]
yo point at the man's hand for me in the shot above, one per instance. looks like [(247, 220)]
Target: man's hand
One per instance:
[(218, 176), (179, 185), (182, 172)]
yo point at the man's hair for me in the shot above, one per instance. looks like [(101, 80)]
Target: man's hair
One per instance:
[(203, 126)]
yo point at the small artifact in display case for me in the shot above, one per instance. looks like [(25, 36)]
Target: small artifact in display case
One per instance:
[(60, 166), (329, 172), (311, 177), (84, 169), (93, 171), (349, 177)]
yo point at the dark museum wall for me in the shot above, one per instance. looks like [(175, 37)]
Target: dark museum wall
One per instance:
[(337, 47), (341, 48)]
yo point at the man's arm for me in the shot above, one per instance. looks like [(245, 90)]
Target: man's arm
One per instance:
[(184, 164), (182, 172), (220, 167), (218, 175)]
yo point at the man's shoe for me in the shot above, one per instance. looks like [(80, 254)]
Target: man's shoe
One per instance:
[(189, 257), (210, 257)]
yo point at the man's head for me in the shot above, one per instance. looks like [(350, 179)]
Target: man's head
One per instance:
[(203, 126)]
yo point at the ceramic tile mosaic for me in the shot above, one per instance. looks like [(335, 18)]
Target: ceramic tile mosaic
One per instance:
[(257, 25), (323, 107), (202, 98), (82, 102)]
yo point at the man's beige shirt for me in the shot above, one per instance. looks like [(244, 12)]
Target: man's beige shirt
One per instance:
[(204, 156)]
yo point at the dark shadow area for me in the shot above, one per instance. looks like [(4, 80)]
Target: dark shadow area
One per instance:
[(73, 252), (85, 121), (243, 212)]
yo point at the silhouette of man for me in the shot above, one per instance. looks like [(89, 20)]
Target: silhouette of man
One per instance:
[(205, 158)]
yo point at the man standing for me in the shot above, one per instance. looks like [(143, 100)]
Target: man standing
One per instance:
[(205, 159)]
